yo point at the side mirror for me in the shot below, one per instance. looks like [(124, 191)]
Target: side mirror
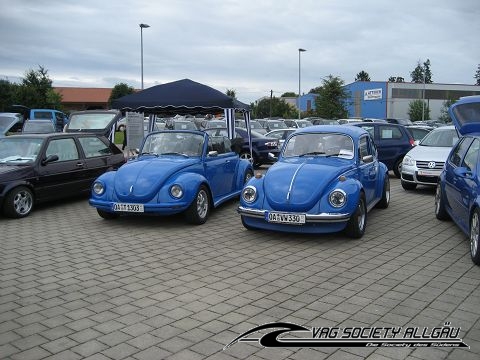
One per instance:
[(49, 159), (212, 153), (367, 159), (462, 172)]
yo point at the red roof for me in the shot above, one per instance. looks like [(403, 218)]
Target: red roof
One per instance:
[(84, 95)]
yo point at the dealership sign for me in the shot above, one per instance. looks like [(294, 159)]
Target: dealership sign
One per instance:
[(372, 94)]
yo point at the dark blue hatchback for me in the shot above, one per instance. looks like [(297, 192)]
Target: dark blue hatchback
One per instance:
[(457, 196), (393, 141)]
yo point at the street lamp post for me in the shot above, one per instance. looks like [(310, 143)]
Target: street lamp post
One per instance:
[(299, 80), (142, 26)]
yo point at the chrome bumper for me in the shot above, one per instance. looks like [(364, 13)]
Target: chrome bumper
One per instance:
[(309, 218)]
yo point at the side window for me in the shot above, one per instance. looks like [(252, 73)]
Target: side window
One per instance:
[(459, 151), (93, 146), (217, 143), (390, 132), (370, 129), (470, 160), (65, 149), (363, 147)]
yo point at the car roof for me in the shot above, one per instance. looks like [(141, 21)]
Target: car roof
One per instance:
[(465, 114), (353, 131)]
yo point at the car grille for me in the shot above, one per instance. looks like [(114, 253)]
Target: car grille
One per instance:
[(424, 165), (427, 179)]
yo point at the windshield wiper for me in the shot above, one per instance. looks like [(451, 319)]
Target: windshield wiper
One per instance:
[(312, 153), (174, 153), (149, 153)]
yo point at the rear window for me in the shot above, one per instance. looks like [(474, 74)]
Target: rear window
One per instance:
[(390, 132)]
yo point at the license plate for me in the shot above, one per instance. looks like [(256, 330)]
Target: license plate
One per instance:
[(428, 173), (285, 218), (136, 208)]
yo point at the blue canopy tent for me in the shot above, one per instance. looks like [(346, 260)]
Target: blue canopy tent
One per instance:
[(184, 97)]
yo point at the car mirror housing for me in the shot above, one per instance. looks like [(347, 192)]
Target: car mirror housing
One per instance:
[(49, 159), (213, 153), (367, 158)]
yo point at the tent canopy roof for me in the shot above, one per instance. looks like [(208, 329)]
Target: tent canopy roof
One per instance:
[(182, 96)]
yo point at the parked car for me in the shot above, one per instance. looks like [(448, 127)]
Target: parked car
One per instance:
[(10, 123), (349, 121), (423, 164), (293, 123), (211, 124), (176, 172), (321, 121), (399, 121), (393, 141), (326, 180), (418, 132), (42, 167), (103, 122), (38, 127), (270, 125), (176, 124), (459, 182), (280, 134), (254, 125), (265, 150)]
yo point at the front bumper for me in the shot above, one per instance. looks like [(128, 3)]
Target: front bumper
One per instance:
[(412, 174), (309, 218)]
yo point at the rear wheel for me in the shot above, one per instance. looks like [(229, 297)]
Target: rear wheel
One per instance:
[(18, 203), (440, 211), (107, 215), (397, 168), (385, 200), (248, 176), (198, 211), (474, 237), (408, 185), (358, 221)]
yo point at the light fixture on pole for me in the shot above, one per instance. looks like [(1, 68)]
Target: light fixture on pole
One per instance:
[(299, 80), (142, 26)]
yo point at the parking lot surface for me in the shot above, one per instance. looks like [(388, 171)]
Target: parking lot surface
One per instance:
[(75, 286)]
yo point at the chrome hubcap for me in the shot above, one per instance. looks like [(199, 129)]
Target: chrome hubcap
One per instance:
[(474, 233), (202, 204), (22, 202), (361, 215)]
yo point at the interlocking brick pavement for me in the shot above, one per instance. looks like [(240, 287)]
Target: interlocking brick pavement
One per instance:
[(74, 286)]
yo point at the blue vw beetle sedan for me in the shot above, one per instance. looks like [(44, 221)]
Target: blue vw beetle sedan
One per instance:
[(326, 180), (457, 196), (175, 172)]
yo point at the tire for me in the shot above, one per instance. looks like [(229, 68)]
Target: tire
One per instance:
[(198, 211), (397, 168), (440, 211), (248, 176), (408, 186), (253, 160), (18, 202), (385, 200), (475, 236), (358, 221), (107, 215)]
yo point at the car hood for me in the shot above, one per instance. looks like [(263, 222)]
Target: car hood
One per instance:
[(465, 114), (429, 153), (14, 172), (297, 185), (140, 180)]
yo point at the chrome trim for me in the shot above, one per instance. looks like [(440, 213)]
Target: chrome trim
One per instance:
[(293, 179), (309, 218)]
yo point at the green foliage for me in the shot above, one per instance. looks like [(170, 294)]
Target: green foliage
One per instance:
[(289, 94), (396, 79), (7, 94), (332, 100), (279, 108), (444, 116), (120, 90), (232, 93), (36, 91), (362, 76), (422, 73), (477, 75), (415, 109)]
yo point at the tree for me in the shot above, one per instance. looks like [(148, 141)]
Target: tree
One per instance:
[(418, 110), (362, 76), (279, 108), (120, 90), (477, 75), (444, 116), (332, 98), (396, 79), (422, 73), (36, 91), (289, 94), (8, 91), (232, 93)]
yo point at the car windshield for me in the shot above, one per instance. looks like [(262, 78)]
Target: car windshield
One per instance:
[(96, 121), (15, 150), (467, 113), (440, 137), (319, 144), (173, 143), (38, 127), (6, 123), (277, 125), (304, 123)]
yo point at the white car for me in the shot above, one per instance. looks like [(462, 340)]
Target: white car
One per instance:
[(424, 163)]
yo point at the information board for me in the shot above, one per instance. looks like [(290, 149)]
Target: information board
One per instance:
[(135, 130)]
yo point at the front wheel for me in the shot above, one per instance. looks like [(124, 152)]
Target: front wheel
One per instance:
[(440, 211), (107, 215), (358, 221), (18, 203), (474, 237), (198, 211), (397, 168)]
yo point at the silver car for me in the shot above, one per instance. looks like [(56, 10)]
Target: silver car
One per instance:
[(424, 163)]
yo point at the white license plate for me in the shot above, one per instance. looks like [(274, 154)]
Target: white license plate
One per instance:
[(285, 218), (428, 173), (136, 208)]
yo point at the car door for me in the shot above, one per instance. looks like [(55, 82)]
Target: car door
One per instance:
[(221, 168), (368, 170), (65, 176)]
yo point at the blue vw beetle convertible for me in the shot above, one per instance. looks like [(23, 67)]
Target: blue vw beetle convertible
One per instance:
[(176, 171), (326, 180)]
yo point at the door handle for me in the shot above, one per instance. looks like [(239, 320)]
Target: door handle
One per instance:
[(79, 164)]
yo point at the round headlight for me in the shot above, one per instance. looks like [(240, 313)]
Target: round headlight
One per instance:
[(176, 191), (337, 198), (249, 194), (98, 188), (407, 160)]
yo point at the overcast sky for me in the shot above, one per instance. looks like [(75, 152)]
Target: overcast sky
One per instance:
[(245, 45)]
